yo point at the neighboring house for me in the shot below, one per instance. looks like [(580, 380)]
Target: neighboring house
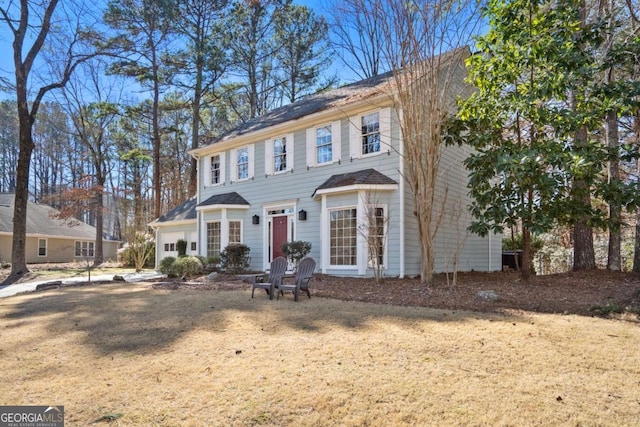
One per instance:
[(50, 239), (320, 170)]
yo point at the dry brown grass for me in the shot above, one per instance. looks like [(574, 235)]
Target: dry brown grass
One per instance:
[(144, 356)]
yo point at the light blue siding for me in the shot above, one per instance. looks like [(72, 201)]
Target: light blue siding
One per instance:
[(296, 187)]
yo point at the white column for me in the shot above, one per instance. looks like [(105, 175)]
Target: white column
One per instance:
[(325, 239), (361, 240)]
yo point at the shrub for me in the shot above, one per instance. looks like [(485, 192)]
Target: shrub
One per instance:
[(139, 253), (235, 258), (210, 263), (509, 243), (181, 244), (187, 266), (167, 266), (296, 250)]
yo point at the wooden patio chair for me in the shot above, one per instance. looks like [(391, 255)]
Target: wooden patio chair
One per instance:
[(301, 280), (277, 269)]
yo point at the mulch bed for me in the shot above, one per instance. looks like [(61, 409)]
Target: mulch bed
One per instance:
[(591, 293)]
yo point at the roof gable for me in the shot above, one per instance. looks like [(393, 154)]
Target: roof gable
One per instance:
[(365, 177), (224, 199), (183, 212)]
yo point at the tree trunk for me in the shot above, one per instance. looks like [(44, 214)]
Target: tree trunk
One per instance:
[(636, 248), (525, 271), (18, 250), (614, 261), (195, 131), (99, 212), (426, 248), (583, 254), (157, 183)]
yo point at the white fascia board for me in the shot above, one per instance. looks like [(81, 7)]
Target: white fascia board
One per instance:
[(155, 224), (291, 202), (221, 206)]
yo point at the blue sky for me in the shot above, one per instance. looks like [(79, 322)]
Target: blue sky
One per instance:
[(6, 51)]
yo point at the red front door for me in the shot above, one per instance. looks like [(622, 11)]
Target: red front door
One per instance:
[(279, 235)]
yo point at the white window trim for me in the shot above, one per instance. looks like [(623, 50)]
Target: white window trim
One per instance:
[(206, 236), (269, 154), (229, 221), (207, 163), (46, 247), (234, 163), (336, 144), (385, 254), (355, 134), (358, 239), (193, 240), (88, 242)]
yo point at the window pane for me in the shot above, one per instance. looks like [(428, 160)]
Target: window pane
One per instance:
[(279, 154), (323, 144), (234, 232), (343, 237), (42, 247), (243, 163), (215, 169), (371, 133), (213, 239)]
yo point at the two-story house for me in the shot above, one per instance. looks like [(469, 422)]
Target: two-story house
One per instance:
[(322, 170)]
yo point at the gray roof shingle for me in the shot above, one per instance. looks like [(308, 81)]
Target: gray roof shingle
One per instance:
[(41, 221), (311, 104), (225, 199), (183, 212), (360, 91), (363, 177)]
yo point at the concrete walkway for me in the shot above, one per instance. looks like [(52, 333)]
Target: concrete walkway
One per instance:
[(17, 288)]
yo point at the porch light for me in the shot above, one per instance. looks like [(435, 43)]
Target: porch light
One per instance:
[(302, 215), (255, 220)]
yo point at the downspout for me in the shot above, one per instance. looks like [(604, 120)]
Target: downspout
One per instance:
[(324, 232), (198, 213), (490, 263), (402, 200), (157, 254)]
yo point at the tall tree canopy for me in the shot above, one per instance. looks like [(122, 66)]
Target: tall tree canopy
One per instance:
[(535, 118), (143, 46)]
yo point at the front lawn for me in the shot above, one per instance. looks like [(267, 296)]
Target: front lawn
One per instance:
[(133, 355)]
